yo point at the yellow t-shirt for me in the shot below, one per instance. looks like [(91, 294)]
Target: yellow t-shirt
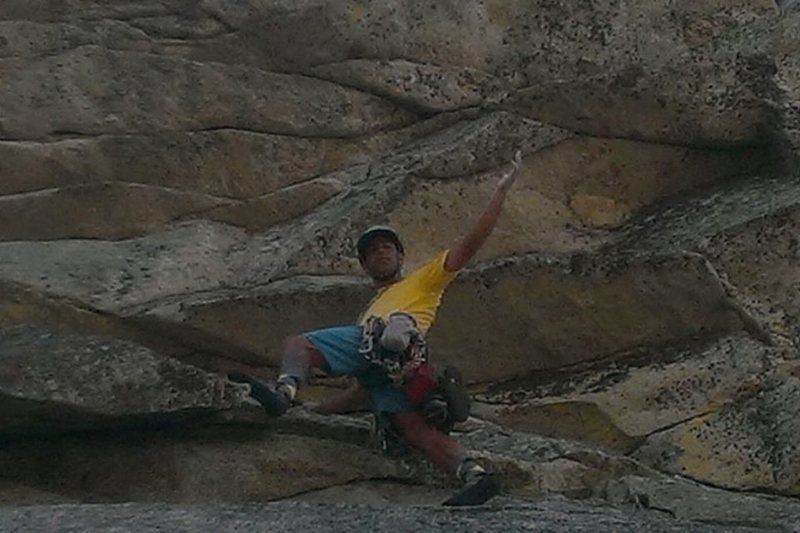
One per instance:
[(418, 294)]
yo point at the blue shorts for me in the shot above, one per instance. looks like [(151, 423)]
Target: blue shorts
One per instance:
[(339, 347)]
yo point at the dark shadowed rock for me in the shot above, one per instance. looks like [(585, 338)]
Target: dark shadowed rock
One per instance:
[(56, 381), (213, 464), (262, 317), (690, 222), (746, 230), (789, 6)]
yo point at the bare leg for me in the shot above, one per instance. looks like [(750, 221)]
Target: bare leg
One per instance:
[(446, 453), (442, 450), (299, 357)]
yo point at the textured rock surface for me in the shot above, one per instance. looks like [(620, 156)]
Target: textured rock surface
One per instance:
[(80, 92), (685, 499), (55, 381), (211, 465), (759, 259), (548, 515), (227, 162), (115, 211), (546, 314), (222, 464), (618, 405), (181, 184), (541, 312), (750, 444), (250, 462)]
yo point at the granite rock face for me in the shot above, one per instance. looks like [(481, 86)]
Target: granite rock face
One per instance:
[(182, 184), (620, 404), (749, 444), (286, 516), (211, 465), (54, 381)]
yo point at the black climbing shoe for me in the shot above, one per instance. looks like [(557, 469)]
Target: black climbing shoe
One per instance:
[(272, 399), (458, 401), (478, 491)]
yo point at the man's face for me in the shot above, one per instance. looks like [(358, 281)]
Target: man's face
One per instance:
[(381, 260)]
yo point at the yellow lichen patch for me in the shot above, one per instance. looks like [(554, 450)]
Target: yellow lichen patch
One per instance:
[(653, 398), (726, 463), (435, 214), (569, 419), (358, 11), (503, 13), (619, 409), (575, 477), (599, 211), (577, 184), (564, 476), (698, 32), (520, 478)]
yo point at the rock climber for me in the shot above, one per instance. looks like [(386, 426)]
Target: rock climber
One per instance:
[(396, 321)]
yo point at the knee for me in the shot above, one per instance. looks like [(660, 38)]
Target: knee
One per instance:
[(413, 427), (440, 449), (299, 350), (296, 343)]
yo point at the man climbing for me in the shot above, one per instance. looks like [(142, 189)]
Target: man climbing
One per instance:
[(404, 309)]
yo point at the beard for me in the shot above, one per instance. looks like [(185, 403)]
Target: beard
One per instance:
[(389, 275)]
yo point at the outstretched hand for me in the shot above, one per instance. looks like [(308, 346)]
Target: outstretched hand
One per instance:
[(508, 173), (460, 254)]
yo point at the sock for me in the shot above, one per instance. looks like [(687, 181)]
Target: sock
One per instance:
[(288, 385), (468, 471)]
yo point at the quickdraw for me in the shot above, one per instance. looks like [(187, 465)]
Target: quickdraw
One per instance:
[(440, 396), (399, 366)]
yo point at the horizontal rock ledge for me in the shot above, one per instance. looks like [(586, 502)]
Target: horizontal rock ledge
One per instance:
[(536, 313), (618, 404), (53, 381)]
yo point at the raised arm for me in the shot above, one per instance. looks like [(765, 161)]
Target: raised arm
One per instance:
[(460, 254)]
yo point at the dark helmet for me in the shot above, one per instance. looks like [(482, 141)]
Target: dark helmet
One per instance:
[(377, 231)]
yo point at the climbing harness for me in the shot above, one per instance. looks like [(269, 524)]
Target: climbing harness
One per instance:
[(439, 395), (399, 365)]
